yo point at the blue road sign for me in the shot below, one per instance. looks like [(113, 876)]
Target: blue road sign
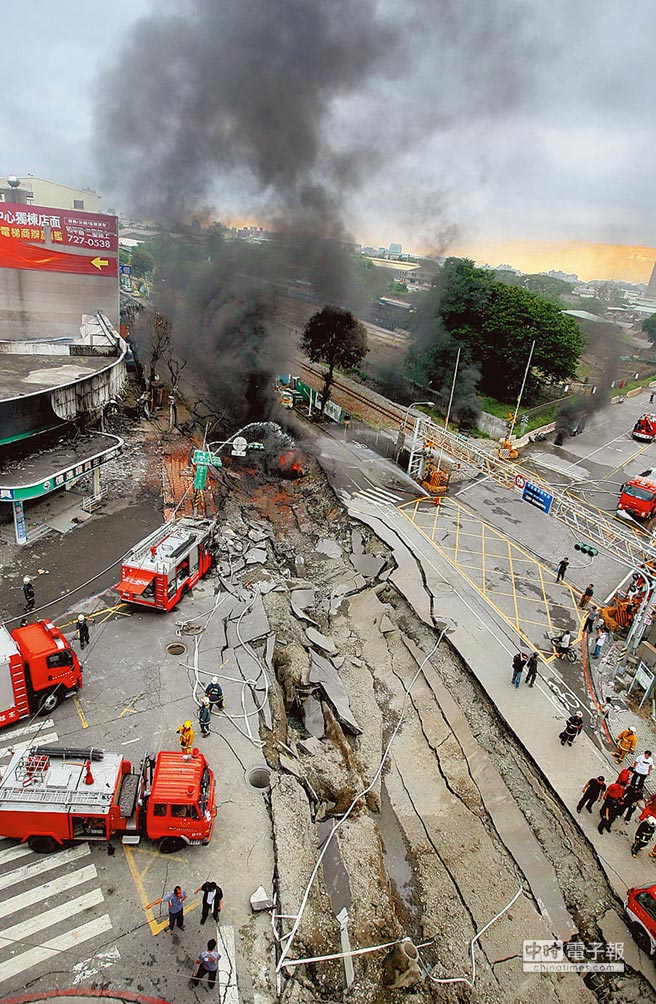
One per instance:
[(537, 497)]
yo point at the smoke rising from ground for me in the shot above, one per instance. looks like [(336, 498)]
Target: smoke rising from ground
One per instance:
[(287, 111)]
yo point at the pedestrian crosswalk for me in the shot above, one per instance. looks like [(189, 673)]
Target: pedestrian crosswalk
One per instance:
[(379, 496), (49, 903)]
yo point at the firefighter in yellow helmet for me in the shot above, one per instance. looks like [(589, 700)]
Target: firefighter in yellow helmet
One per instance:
[(626, 743), (186, 733)]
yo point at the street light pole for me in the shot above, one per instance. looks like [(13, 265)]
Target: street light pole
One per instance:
[(521, 392), (401, 436), (448, 410)]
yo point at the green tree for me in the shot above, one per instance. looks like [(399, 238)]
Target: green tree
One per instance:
[(335, 337), (142, 262), (649, 327)]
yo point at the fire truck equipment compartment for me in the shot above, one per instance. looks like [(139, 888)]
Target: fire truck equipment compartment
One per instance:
[(135, 582)]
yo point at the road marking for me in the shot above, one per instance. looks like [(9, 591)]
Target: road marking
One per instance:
[(48, 889), (52, 948), (24, 930), (26, 872), (227, 973), (11, 853), (80, 712), (15, 747), (24, 729)]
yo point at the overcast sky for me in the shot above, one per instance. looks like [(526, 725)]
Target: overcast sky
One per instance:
[(532, 120)]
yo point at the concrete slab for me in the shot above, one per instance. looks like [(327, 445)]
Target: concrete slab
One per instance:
[(324, 674), (320, 640)]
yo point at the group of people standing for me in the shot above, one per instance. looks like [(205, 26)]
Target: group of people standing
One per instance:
[(621, 798), (208, 959), (522, 662)]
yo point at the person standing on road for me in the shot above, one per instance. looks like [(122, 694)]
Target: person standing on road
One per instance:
[(82, 630), (630, 801), (186, 733), (204, 717), (602, 635), (590, 620), (212, 900), (208, 964), (28, 593), (518, 664), (572, 728), (626, 742), (175, 901), (561, 568), (532, 668), (214, 694), (611, 807), (586, 597), (643, 835), (592, 789), (642, 768)]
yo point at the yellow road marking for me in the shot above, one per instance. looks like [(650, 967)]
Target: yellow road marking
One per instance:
[(156, 926), (78, 708), (128, 711), (512, 558)]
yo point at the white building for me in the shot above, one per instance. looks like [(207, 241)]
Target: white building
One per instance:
[(41, 192)]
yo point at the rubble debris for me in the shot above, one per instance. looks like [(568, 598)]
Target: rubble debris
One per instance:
[(323, 673), (256, 556), (313, 717), (321, 641), (292, 766), (257, 535), (299, 564), (330, 547), (311, 745), (386, 626), (338, 661), (260, 900), (334, 873), (300, 600), (349, 584)]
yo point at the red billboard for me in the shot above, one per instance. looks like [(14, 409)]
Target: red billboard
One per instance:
[(58, 240)]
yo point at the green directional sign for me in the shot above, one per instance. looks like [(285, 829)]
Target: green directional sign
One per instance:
[(204, 457), (200, 479)]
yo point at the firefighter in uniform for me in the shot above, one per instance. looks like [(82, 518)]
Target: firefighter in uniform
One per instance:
[(205, 717), (186, 733), (626, 743)]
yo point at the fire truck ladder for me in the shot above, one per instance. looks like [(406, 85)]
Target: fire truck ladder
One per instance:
[(430, 440)]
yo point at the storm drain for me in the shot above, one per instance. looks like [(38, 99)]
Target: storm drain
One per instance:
[(176, 648), (259, 777)]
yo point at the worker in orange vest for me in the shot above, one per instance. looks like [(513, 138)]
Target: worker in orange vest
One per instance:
[(186, 733), (626, 741)]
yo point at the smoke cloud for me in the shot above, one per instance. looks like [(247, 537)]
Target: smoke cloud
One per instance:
[(287, 110)]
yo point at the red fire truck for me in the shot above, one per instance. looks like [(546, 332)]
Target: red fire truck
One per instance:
[(638, 497), (645, 428), (38, 669), (168, 563), (640, 915), (50, 796)]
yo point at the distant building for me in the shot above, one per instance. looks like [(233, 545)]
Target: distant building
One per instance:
[(396, 248), (651, 286), (40, 192), (565, 276), (508, 268)]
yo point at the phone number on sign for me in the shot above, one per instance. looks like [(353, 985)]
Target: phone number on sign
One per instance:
[(89, 242)]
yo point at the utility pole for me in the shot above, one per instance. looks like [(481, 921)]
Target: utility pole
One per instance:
[(521, 392)]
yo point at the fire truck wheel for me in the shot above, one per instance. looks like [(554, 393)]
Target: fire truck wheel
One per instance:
[(641, 938), (49, 702), (42, 844), (169, 845)]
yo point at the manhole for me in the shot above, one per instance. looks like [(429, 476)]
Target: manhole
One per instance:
[(259, 777), (176, 648)]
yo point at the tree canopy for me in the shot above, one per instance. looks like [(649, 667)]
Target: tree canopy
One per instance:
[(335, 337), (649, 327), (142, 262), (494, 324)]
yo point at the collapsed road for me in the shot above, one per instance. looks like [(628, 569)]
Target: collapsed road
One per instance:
[(396, 804)]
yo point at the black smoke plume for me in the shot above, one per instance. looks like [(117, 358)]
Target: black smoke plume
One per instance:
[(284, 109)]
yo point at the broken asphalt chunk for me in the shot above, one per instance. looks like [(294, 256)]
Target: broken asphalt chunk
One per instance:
[(325, 674), (260, 900), (321, 641)]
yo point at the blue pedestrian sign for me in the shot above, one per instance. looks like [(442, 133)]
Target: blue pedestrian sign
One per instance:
[(538, 497)]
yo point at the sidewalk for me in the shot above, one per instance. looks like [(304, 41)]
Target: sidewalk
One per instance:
[(535, 716)]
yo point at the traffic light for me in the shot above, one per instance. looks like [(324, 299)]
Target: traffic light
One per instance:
[(588, 549)]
